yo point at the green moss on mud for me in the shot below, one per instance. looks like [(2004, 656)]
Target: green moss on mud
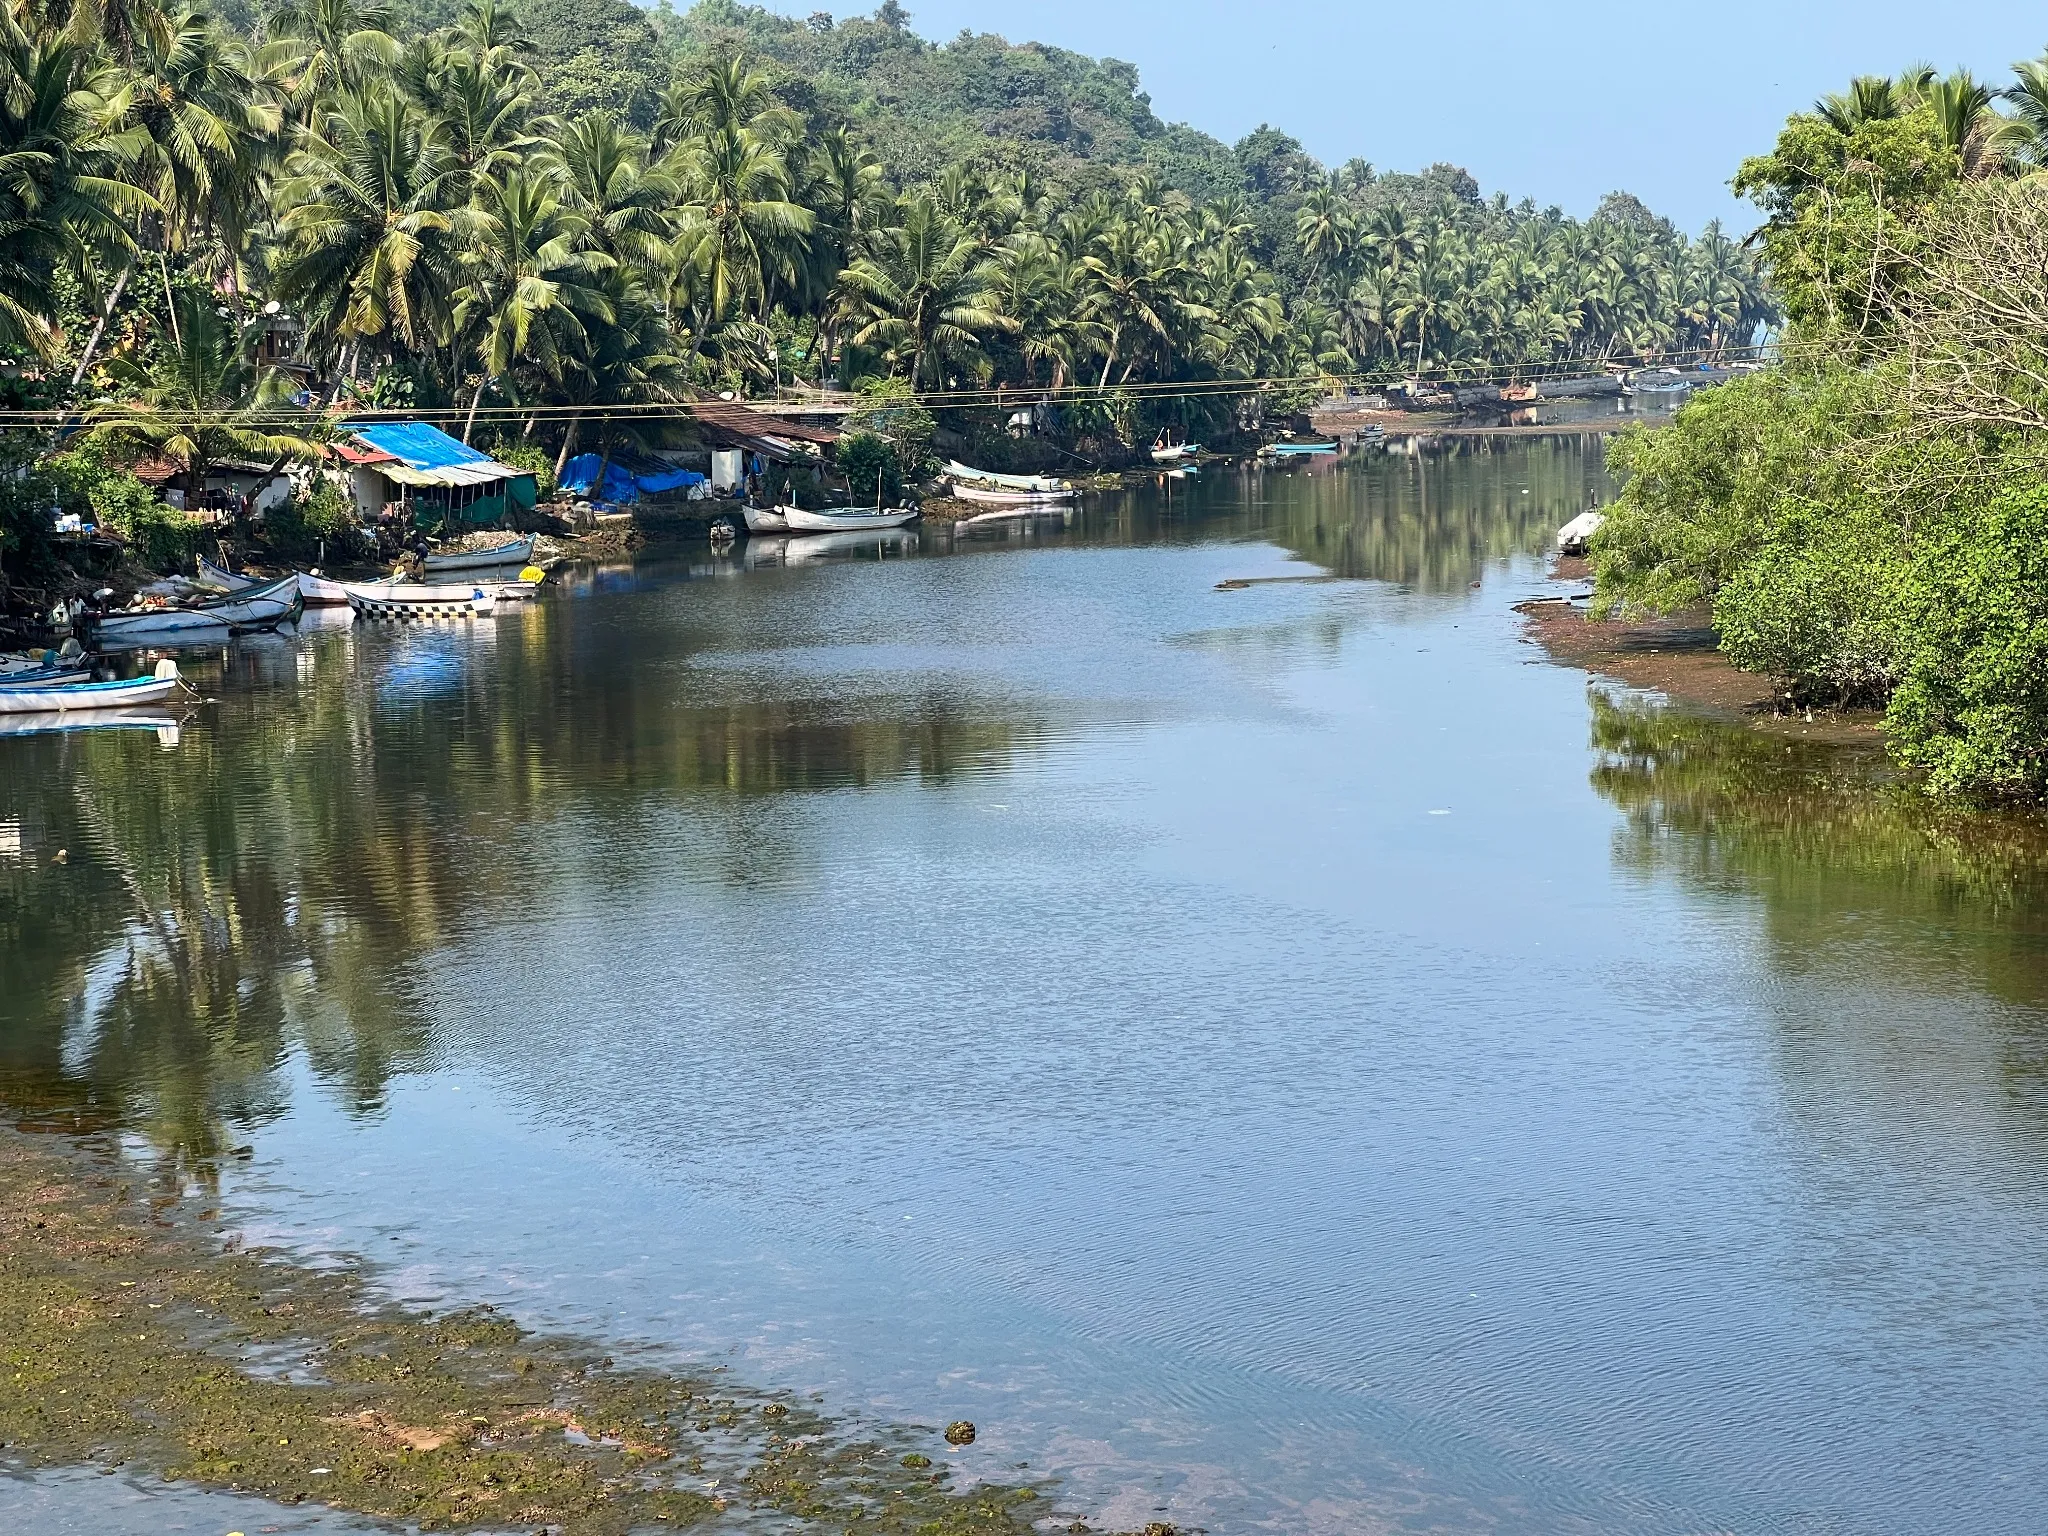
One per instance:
[(129, 1334)]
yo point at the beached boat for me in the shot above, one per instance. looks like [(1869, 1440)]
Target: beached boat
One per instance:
[(421, 600), (252, 608), (990, 498), (315, 591), (1574, 537), (765, 520), (1176, 453), (1043, 485), (845, 519), (516, 552), (63, 697)]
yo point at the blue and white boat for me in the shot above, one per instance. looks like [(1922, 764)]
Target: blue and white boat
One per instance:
[(59, 698)]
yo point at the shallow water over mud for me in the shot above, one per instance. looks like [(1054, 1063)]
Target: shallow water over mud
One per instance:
[(1277, 1058)]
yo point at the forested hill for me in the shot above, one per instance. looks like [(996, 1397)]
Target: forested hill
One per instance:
[(979, 101)]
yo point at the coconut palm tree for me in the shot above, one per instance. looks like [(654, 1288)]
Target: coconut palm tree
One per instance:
[(368, 226), (529, 292), (739, 226), (925, 296)]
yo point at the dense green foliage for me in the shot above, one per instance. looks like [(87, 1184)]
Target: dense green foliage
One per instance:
[(1868, 523), (537, 222)]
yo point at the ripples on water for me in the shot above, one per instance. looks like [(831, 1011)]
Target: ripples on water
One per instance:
[(1279, 1056)]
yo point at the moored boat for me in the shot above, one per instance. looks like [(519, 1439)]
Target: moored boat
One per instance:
[(247, 610), (1296, 450), (1027, 499), (845, 519), (514, 552), (765, 520), (315, 590), (1176, 453), (45, 677), (1038, 484), (63, 697), (1576, 536), (421, 600)]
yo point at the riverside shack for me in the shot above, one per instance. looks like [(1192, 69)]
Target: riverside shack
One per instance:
[(441, 482)]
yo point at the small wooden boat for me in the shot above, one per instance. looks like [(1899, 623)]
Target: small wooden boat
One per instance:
[(1176, 453), (764, 520), (63, 697), (421, 600), (1577, 535), (1038, 484), (46, 677), (245, 611), (1026, 499), (315, 590), (516, 552), (1297, 450), (846, 519)]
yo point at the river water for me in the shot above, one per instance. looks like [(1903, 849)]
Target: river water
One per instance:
[(1279, 1057)]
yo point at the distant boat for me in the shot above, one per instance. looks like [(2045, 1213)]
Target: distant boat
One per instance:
[(843, 519), (975, 493), (1297, 450), (517, 552), (250, 609), (1044, 485), (64, 697), (1176, 453), (421, 600)]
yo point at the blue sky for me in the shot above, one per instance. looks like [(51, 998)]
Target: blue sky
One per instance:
[(1558, 103)]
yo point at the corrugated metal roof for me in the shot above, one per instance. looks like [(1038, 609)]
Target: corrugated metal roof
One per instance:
[(489, 472), (419, 444)]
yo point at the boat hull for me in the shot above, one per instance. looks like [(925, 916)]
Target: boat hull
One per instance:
[(800, 521), (420, 601), (763, 520), (975, 493), (72, 697), (45, 677), (314, 591), (517, 552), (1042, 485), (1176, 454)]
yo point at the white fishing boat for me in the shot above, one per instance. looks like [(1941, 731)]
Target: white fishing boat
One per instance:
[(515, 552), (65, 697), (765, 520), (985, 497), (1576, 536), (252, 608), (846, 519), (421, 600), (1176, 453), (315, 590), (1042, 485)]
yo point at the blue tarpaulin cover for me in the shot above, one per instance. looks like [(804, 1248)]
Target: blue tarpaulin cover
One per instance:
[(621, 485), (420, 445)]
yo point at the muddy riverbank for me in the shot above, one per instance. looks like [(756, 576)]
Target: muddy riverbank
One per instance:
[(139, 1335), (1676, 655)]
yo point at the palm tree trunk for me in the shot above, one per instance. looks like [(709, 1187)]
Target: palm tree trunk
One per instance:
[(99, 326), (170, 303), (568, 445), (470, 425)]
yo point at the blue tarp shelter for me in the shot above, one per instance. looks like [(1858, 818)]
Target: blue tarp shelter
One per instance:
[(625, 481)]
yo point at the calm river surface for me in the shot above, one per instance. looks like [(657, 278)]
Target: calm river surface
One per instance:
[(1280, 1059)]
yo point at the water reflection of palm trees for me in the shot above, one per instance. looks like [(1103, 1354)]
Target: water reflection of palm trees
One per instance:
[(274, 886)]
